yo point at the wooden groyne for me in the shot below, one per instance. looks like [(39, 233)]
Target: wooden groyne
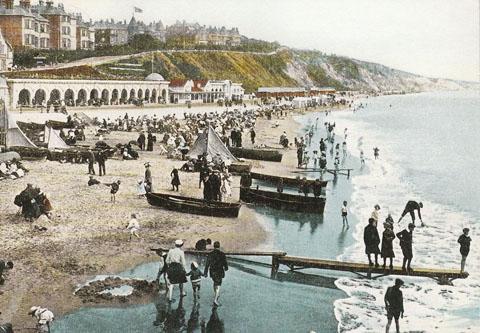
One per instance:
[(442, 276)]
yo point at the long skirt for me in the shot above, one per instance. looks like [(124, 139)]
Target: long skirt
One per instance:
[(176, 273)]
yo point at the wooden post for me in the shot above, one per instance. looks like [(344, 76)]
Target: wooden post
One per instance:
[(348, 173), (275, 266)]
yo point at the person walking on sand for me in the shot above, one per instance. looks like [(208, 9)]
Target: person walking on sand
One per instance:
[(387, 244), (345, 214), (148, 179), (371, 240), (394, 304), (217, 266), (362, 158), (91, 162), (175, 179), (114, 187), (344, 149), (252, 136), (101, 159), (376, 152), (176, 272), (133, 226), (406, 244), (464, 241), (411, 207)]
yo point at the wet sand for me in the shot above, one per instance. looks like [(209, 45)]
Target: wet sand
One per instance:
[(87, 235)]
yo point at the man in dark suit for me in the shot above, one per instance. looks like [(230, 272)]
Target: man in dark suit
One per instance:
[(217, 263)]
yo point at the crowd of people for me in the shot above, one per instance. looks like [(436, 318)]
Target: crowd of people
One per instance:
[(33, 203), (12, 169)]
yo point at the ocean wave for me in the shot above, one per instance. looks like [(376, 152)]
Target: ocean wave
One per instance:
[(429, 307)]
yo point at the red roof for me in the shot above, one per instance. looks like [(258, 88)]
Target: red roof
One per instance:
[(178, 82), (198, 85)]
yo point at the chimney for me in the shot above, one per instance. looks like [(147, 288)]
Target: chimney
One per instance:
[(9, 4), (25, 4)]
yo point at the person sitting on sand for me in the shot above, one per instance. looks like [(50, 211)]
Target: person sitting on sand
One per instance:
[(92, 181), (394, 304), (201, 244)]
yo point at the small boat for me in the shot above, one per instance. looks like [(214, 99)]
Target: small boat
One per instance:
[(283, 201), (239, 167), (287, 181), (193, 205), (257, 154)]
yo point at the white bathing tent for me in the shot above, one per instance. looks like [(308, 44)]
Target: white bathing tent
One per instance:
[(210, 144)]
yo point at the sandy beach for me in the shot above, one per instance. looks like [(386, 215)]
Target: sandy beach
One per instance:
[(87, 234)]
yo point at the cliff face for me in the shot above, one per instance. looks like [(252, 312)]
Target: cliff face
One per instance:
[(286, 67)]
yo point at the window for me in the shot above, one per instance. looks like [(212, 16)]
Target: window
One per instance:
[(36, 27), (27, 24), (42, 28)]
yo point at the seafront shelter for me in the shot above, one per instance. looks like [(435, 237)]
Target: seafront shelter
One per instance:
[(40, 92), (276, 92)]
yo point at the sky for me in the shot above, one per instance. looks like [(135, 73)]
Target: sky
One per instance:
[(435, 38)]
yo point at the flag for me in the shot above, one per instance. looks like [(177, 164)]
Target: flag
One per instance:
[(138, 10)]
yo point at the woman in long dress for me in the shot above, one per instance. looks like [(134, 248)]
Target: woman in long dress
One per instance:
[(226, 186), (176, 269)]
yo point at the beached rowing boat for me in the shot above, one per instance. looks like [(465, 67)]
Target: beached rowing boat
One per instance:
[(239, 168), (287, 181), (193, 205), (257, 154), (283, 201)]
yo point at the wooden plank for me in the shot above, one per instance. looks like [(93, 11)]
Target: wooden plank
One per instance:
[(230, 253), (365, 268)]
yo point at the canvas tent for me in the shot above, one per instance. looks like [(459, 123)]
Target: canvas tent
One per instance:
[(52, 137), (210, 144), (10, 134)]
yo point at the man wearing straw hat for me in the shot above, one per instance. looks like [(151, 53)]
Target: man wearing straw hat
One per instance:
[(176, 271)]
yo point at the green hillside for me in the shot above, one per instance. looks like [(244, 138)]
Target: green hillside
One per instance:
[(252, 70)]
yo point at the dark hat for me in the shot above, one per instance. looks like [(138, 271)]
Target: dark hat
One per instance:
[(411, 226), (399, 282)]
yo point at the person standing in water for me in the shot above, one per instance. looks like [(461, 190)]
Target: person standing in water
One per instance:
[(387, 245), (217, 266), (394, 304), (411, 207), (406, 243), (362, 158), (345, 214), (371, 240), (464, 241)]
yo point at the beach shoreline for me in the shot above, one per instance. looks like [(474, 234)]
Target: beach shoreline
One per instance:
[(86, 237)]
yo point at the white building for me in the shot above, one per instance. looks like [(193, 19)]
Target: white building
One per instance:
[(6, 54), (204, 91)]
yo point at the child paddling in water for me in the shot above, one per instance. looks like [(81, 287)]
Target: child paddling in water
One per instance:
[(195, 277)]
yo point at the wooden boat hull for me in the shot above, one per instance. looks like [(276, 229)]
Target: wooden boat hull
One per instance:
[(283, 201), (287, 181), (239, 168), (193, 205), (257, 154)]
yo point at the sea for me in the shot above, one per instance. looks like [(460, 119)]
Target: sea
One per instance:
[(428, 146)]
